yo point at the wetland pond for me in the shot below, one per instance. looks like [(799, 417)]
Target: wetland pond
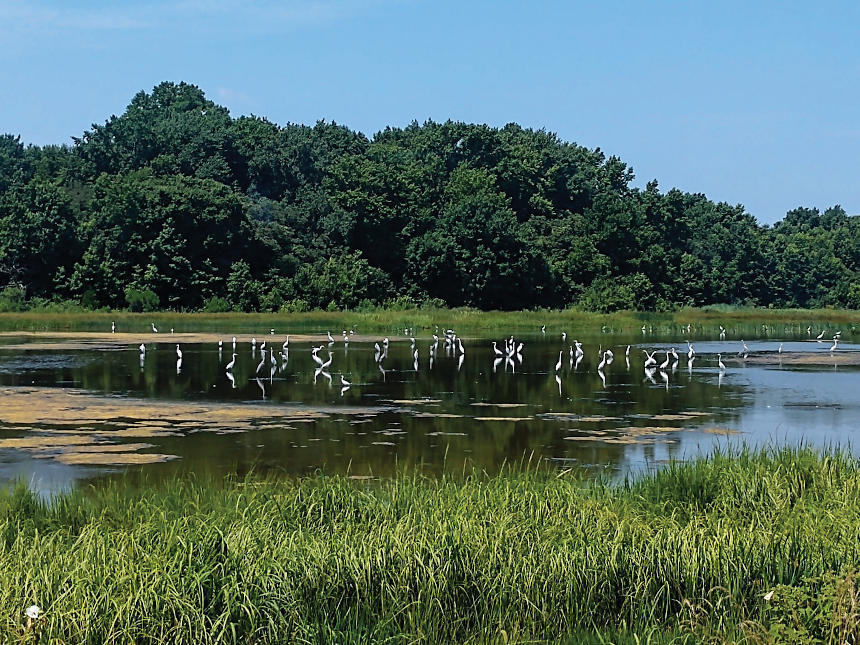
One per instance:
[(76, 406)]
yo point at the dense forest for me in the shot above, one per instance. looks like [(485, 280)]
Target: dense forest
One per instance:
[(177, 205)]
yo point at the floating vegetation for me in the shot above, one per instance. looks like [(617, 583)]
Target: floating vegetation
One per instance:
[(503, 418), (499, 405), (725, 431), (437, 415), (112, 458), (63, 421)]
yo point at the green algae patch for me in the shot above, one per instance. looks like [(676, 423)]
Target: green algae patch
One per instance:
[(112, 458)]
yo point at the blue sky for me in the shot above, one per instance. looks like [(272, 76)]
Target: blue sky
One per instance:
[(747, 102)]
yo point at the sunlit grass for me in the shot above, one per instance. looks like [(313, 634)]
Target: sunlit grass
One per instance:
[(686, 555), (423, 321)]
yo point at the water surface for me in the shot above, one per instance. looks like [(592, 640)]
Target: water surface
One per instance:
[(469, 410)]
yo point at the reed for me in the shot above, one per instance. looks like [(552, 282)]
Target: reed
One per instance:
[(688, 554), (423, 322)]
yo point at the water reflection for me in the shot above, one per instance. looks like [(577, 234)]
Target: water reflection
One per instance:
[(469, 400)]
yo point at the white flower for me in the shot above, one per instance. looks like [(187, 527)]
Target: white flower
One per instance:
[(33, 612)]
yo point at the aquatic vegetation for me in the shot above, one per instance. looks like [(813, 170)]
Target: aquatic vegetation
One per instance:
[(746, 546)]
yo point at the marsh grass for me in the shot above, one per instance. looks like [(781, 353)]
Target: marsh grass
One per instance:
[(421, 321), (687, 554)]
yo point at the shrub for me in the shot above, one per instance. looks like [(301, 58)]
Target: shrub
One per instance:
[(216, 304), (141, 299)]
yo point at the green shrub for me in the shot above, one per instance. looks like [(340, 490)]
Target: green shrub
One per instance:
[(216, 305), (13, 298), (141, 299)]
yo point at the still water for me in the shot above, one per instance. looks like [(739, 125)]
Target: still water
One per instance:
[(467, 410)]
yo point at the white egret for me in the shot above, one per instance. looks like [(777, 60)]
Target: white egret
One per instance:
[(496, 350), (178, 352), (142, 349), (744, 349), (220, 343), (261, 364), (627, 351), (113, 328), (328, 362), (231, 363), (543, 329), (330, 339), (609, 353), (563, 336), (835, 343), (602, 362), (649, 358), (234, 343), (316, 358), (462, 349), (820, 336), (344, 382), (779, 349), (720, 362), (154, 328), (286, 344), (558, 364), (665, 363), (558, 380)]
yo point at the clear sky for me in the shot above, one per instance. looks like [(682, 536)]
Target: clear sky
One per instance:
[(752, 102)]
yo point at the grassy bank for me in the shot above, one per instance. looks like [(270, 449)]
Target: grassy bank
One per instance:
[(687, 555), (425, 321)]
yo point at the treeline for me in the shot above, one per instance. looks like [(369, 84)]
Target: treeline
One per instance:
[(177, 205)]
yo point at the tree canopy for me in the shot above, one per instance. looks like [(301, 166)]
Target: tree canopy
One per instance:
[(175, 204)]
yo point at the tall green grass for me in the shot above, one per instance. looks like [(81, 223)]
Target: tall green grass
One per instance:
[(421, 321), (685, 555)]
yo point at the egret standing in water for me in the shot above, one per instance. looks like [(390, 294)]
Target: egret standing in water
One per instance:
[(602, 361), (178, 352), (720, 362), (113, 328), (231, 363), (558, 365), (154, 328)]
